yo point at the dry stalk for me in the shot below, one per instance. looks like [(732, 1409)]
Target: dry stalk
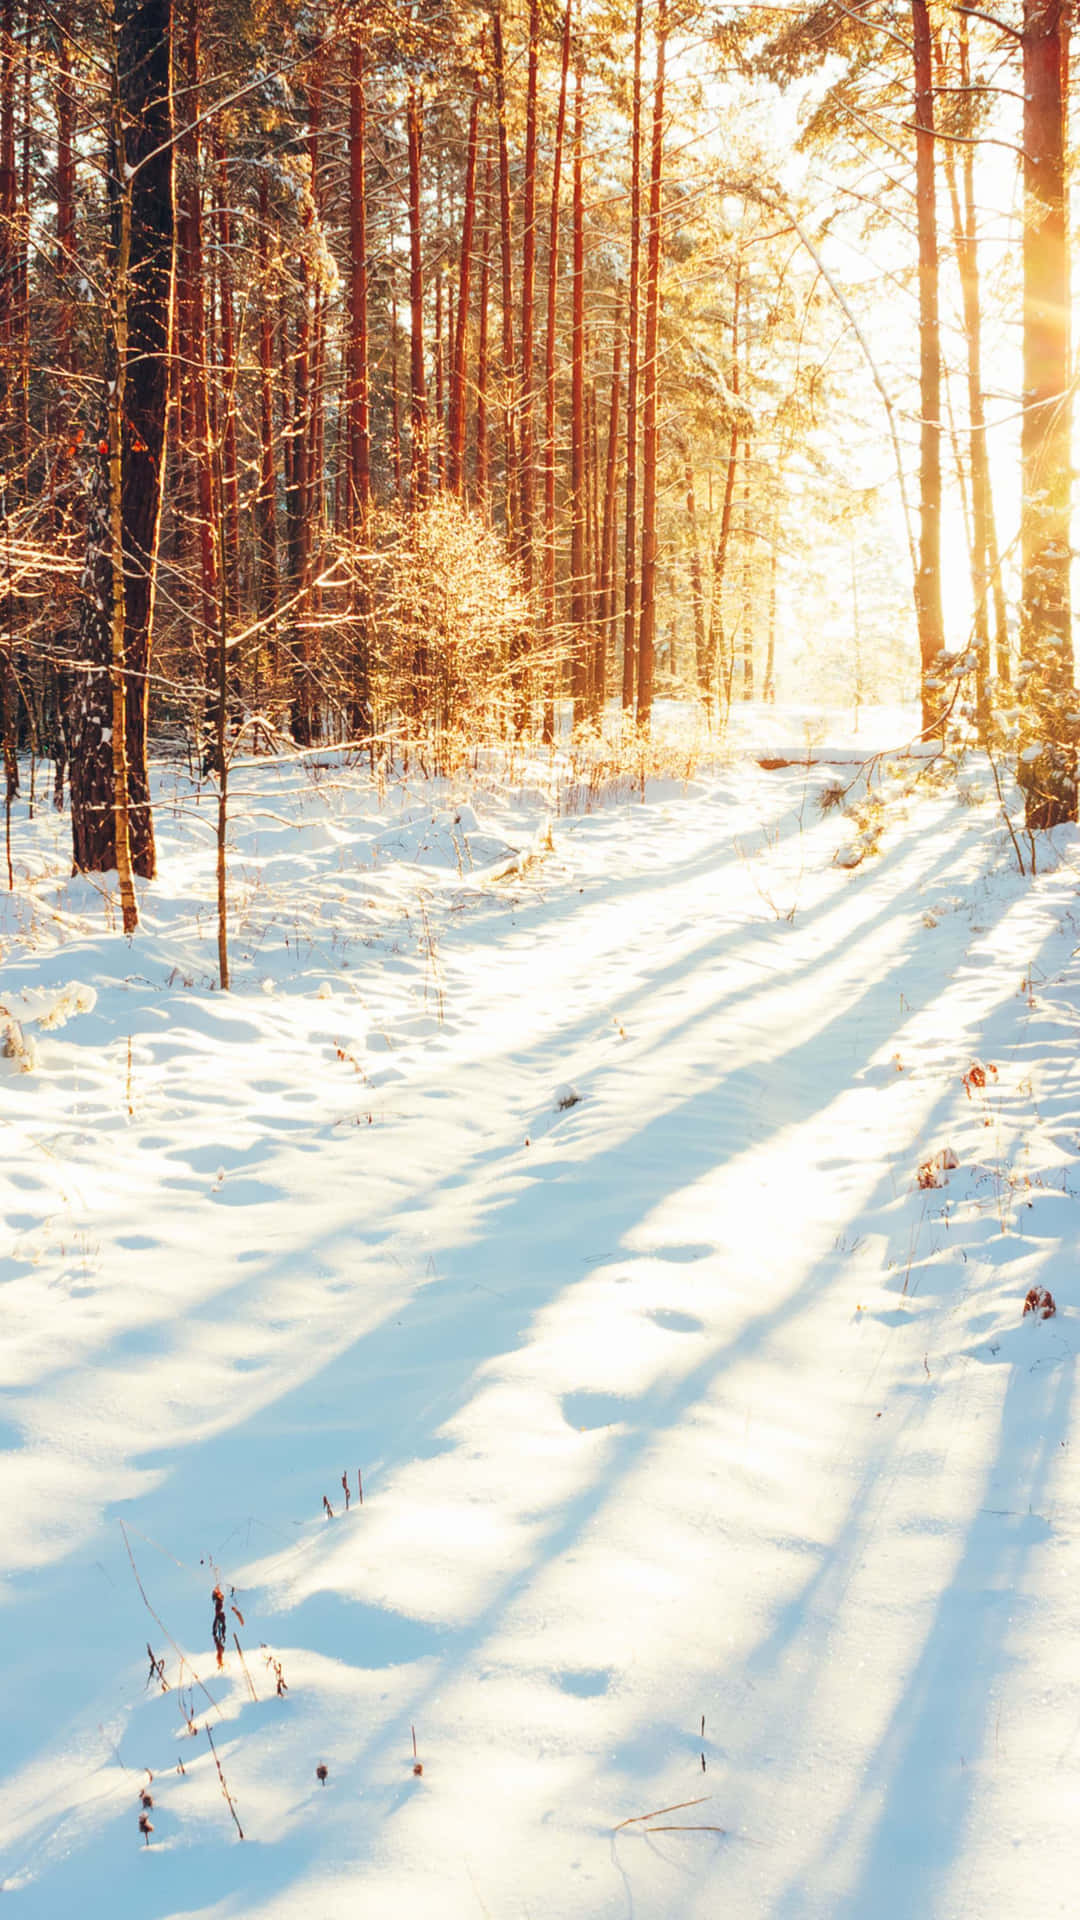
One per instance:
[(221, 1777), (679, 1807)]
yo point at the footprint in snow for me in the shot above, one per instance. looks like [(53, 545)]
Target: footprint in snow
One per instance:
[(677, 1322), (589, 1411)]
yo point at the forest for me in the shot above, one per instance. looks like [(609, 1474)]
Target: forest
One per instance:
[(422, 373), (539, 960)]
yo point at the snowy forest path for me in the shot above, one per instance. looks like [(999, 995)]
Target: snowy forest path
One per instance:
[(609, 1224)]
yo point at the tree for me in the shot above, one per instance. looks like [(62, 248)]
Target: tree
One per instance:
[(1048, 765), (928, 579), (112, 824), (649, 450)]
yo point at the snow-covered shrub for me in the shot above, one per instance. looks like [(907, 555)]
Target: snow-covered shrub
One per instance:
[(44, 1007), (16, 1045), (449, 636)]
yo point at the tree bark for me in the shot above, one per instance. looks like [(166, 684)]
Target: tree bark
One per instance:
[(579, 685), (109, 775), (928, 581), (721, 660), (528, 303), (986, 583), (359, 406), (697, 590), (196, 358), (630, 542), (650, 445), (511, 477), (1045, 434), (549, 383), (418, 414), (266, 498), (482, 467), (65, 191), (229, 555), (455, 464), (609, 535), (8, 208)]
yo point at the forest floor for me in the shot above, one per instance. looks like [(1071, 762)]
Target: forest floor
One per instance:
[(719, 1538)]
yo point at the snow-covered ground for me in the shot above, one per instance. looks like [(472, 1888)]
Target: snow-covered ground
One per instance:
[(719, 1533)]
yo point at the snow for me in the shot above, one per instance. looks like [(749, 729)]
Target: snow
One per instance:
[(556, 1176)]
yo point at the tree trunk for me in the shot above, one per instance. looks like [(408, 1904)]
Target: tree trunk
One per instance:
[(748, 609), (609, 540), (359, 406), (528, 303), (23, 241), (630, 542), (197, 359), (418, 413), (109, 777), (298, 401), (1049, 780), (697, 590), (579, 686), (65, 191), (512, 507), (928, 582), (266, 498), (455, 463), (549, 384), (395, 389), (439, 436), (721, 660), (482, 467), (229, 545), (649, 448), (8, 205), (986, 584)]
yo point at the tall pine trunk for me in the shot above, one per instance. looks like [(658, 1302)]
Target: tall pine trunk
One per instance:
[(110, 796), (986, 583), (266, 497), (549, 382), (8, 210), (511, 476), (721, 658), (1045, 434), (455, 455), (928, 581), (650, 436), (579, 682), (528, 303), (482, 465), (697, 590), (630, 541), (609, 535), (358, 403), (196, 356), (229, 555), (418, 405)]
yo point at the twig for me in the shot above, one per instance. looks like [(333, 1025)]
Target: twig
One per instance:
[(221, 1777), (657, 1811), (675, 1829), (244, 1664), (1005, 815), (182, 1657)]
